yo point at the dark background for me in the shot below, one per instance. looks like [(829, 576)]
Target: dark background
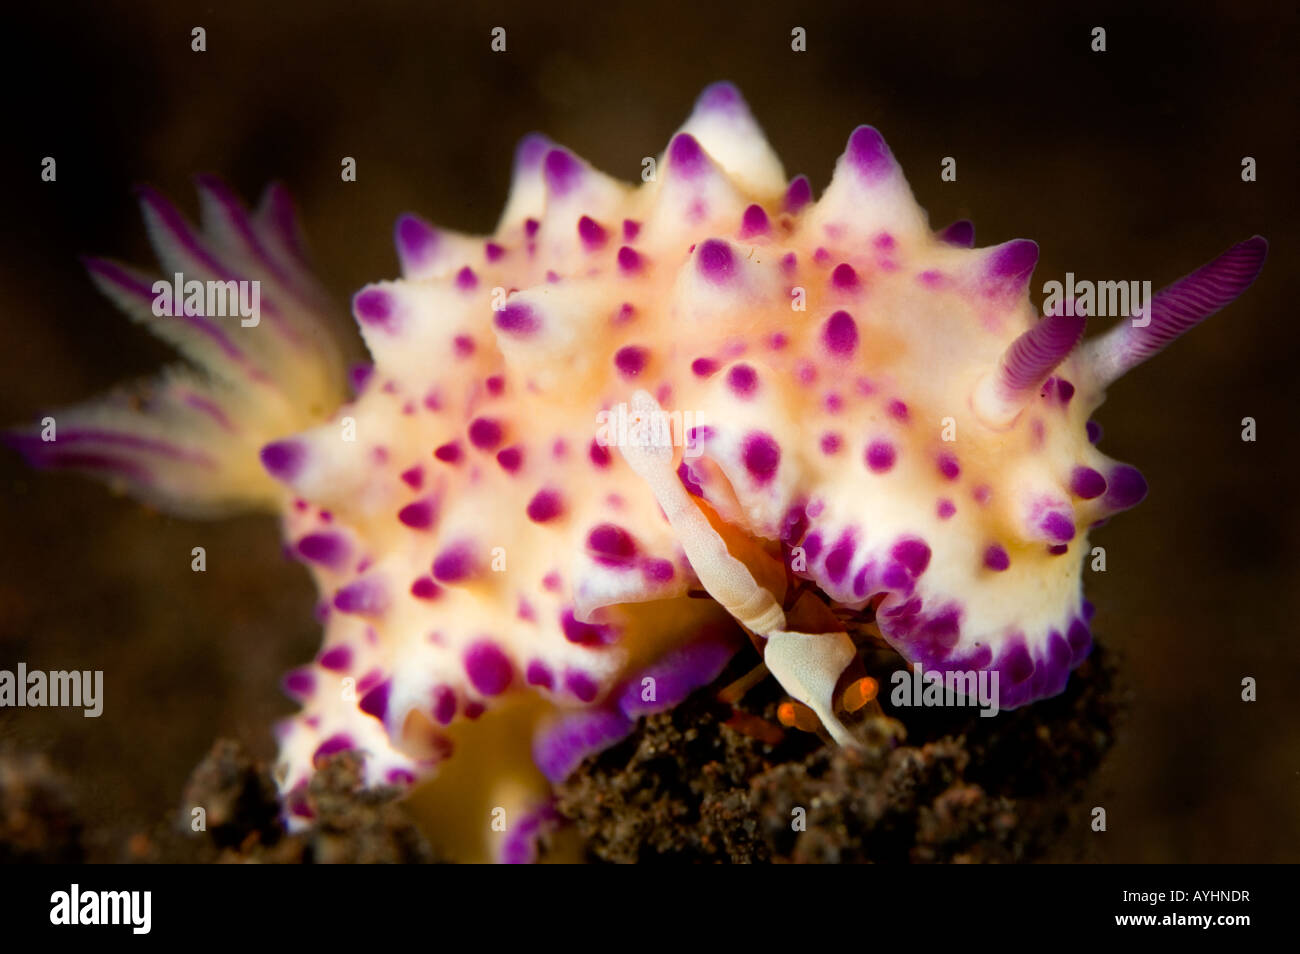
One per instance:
[(1121, 165)]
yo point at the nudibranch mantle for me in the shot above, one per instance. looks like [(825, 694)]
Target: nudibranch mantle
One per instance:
[(867, 417)]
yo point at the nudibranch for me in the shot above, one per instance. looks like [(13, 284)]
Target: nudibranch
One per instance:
[(600, 446)]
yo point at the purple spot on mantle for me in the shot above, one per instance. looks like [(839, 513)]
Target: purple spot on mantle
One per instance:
[(743, 380), (868, 154), (338, 659), (1087, 483), (454, 564), (416, 240), (913, 554), (283, 460), (611, 544), (754, 222), (581, 685), (425, 589), (840, 334), (656, 570), (359, 375), (545, 505), (511, 459), (364, 597), (488, 668), (631, 360), (716, 262), (517, 319), (844, 277), (413, 477), (529, 152), (340, 742), (417, 515), (720, 97), (839, 557), (539, 674), (1127, 487), (794, 524), (761, 456), (798, 194), (1058, 526), (327, 549), (299, 683), (444, 704), (628, 259), (1018, 663), (562, 171), (586, 634), (685, 157), (995, 557), (485, 433), (591, 232), (1012, 263), (948, 465), (881, 456), (374, 307), (689, 480), (375, 702)]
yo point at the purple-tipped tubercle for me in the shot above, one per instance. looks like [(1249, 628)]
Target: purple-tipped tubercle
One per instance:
[(868, 155)]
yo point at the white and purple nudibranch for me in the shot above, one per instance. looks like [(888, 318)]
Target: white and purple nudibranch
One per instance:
[(858, 405)]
